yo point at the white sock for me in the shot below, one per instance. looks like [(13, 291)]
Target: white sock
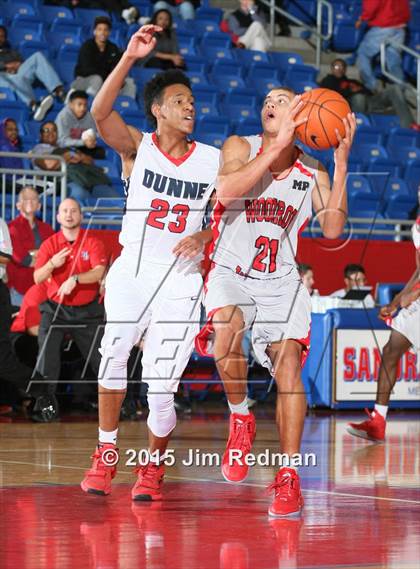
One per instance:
[(381, 409), (240, 408), (108, 436)]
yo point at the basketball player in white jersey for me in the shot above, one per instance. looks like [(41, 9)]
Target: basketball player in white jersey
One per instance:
[(153, 290), (405, 334), (266, 191)]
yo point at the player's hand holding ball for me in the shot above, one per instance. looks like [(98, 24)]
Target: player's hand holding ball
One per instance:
[(142, 42), (330, 122)]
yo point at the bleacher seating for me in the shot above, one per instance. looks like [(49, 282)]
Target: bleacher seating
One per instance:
[(229, 85)]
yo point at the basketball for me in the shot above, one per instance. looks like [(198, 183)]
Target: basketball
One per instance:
[(325, 110)]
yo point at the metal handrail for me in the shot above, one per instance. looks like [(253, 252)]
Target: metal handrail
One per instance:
[(385, 72), (31, 175), (317, 31)]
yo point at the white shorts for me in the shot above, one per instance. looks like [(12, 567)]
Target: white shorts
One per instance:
[(407, 323), (275, 309), (161, 304)]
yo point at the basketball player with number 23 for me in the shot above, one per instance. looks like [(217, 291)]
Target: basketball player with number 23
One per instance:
[(266, 191), (153, 290)]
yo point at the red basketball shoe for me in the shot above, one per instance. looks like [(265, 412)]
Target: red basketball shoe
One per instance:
[(98, 478), (372, 429), (288, 499), (242, 431), (149, 482)]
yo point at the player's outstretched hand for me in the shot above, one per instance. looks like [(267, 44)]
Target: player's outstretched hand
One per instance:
[(188, 247), (290, 122), (143, 41), (387, 311), (341, 154)]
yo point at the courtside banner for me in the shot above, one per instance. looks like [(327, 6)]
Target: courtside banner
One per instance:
[(358, 358)]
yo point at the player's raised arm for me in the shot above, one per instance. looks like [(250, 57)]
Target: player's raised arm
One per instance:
[(110, 125), (330, 204), (237, 176)]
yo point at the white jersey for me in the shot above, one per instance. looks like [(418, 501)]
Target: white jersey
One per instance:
[(166, 198), (415, 232), (257, 235)]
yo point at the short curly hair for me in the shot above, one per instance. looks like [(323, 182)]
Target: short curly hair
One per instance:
[(154, 89)]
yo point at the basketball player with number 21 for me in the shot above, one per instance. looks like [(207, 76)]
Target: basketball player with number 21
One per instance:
[(266, 191), (153, 290)]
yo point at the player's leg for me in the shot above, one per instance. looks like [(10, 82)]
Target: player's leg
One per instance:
[(374, 427), (127, 314), (168, 346), (280, 340), (230, 312)]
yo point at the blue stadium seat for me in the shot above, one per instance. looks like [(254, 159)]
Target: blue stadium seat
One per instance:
[(11, 9), (138, 120), (144, 6), (212, 130), (28, 48), (345, 37), (300, 73), (302, 86), (305, 10), (283, 59), (400, 201), (412, 176), (227, 75), (87, 16), (7, 94), (52, 13), (240, 104), (399, 137), (372, 223), (32, 128), (65, 70), (368, 135), (362, 120), (207, 13), (196, 64), (17, 35), (201, 27), (187, 43), (262, 77), (198, 78), (68, 53), (385, 122), (370, 152), (380, 171), (248, 56), (406, 154), (119, 37), (206, 101), (248, 127), (142, 75), (361, 194), (13, 111), (211, 138), (109, 168), (125, 104), (57, 39), (216, 46)]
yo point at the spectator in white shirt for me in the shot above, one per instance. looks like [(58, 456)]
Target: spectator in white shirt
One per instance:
[(354, 278)]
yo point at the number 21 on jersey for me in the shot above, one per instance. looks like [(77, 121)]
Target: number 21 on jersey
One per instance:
[(266, 255)]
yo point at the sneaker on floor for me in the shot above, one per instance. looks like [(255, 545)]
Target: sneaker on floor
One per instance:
[(98, 478), (149, 483), (242, 429), (288, 499), (44, 409), (373, 429), (42, 108)]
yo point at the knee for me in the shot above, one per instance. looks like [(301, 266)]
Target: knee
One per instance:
[(229, 325), (286, 365), (162, 415), (391, 354)]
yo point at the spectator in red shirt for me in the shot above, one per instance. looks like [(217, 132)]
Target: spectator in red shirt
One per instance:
[(387, 20), (27, 233), (72, 264)]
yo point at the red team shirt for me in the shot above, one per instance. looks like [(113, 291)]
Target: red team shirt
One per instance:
[(29, 314), (86, 254)]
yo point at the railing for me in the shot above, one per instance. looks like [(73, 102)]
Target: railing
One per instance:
[(398, 228), (52, 184), (385, 72), (317, 30)]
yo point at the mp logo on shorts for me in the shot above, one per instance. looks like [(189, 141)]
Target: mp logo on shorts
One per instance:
[(300, 185)]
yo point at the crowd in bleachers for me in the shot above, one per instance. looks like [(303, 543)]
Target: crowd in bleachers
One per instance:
[(55, 56)]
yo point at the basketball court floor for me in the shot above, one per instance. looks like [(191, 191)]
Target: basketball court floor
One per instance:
[(362, 501)]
